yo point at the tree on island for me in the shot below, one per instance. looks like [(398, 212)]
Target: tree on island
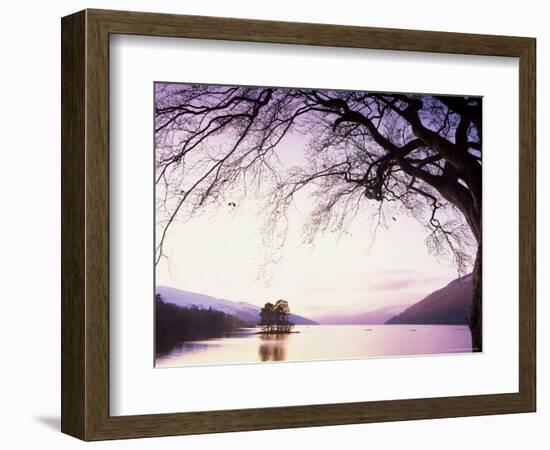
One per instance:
[(382, 153), (274, 318)]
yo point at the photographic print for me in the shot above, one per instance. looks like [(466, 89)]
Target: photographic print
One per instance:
[(304, 224)]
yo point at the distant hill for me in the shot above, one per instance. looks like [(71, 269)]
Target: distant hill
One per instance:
[(377, 316), (244, 311), (448, 305)]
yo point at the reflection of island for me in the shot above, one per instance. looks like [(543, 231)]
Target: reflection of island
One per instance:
[(275, 347)]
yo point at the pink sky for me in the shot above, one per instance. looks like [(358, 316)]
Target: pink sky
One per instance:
[(221, 253)]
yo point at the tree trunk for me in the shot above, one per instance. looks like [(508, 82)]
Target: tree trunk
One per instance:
[(475, 314)]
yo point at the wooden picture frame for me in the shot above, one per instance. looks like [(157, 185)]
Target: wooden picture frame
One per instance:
[(85, 224)]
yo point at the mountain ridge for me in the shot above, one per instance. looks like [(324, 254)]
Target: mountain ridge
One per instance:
[(373, 317), (448, 305), (242, 310)]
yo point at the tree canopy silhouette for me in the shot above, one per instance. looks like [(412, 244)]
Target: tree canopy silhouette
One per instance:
[(392, 153), (175, 324), (274, 317)]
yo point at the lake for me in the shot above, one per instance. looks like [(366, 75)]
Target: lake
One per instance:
[(320, 342)]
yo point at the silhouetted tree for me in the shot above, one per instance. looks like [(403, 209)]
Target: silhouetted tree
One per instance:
[(282, 311), (416, 154), (274, 317), (267, 317)]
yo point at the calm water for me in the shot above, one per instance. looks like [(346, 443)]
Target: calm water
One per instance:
[(320, 342)]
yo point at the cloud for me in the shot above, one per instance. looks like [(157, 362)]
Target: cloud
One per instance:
[(393, 284), (396, 280)]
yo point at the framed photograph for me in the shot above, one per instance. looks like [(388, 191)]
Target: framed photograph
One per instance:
[(271, 225)]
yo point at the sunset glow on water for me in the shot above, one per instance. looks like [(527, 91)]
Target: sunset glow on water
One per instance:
[(321, 342)]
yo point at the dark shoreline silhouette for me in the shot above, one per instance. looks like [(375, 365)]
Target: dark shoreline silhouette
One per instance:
[(176, 324)]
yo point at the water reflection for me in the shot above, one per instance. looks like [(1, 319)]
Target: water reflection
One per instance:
[(273, 347), (166, 350), (317, 342)]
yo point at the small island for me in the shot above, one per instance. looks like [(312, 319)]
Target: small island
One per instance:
[(274, 318)]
